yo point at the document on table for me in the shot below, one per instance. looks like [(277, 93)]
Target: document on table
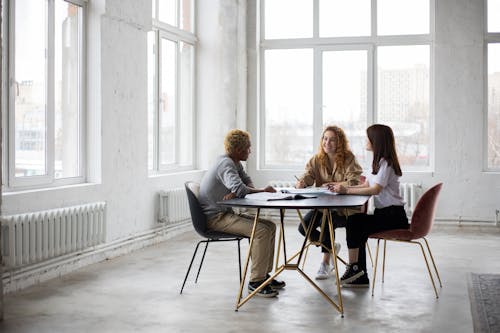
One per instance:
[(267, 196), (307, 190)]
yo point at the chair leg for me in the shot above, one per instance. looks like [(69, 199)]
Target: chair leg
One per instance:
[(428, 268), (239, 258), (201, 262), (375, 267), (190, 264), (383, 262), (369, 252), (433, 263)]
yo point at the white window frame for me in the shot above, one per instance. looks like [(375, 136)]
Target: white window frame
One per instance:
[(321, 44), (10, 181), (490, 38), (176, 35)]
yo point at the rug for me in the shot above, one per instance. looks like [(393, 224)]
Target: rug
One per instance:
[(484, 294)]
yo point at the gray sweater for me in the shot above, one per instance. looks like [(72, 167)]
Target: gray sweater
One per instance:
[(224, 177)]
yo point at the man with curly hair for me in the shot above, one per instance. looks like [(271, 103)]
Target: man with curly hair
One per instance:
[(227, 179)]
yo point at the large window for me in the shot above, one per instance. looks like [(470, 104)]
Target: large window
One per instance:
[(42, 92), (493, 54), (171, 50), (347, 64)]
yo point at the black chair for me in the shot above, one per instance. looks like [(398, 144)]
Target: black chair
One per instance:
[(200, 225)]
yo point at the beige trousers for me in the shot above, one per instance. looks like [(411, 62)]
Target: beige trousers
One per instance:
[(263, 244)]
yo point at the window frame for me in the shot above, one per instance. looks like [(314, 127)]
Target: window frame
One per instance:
[(489, 38), (176, 35), (319, 45), (10, 182)]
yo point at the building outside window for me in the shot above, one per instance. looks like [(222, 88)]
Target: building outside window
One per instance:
[(171, 52), (349, 64), (493, 84), (42, 88)]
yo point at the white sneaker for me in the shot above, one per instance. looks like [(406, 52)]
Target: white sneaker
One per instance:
[(323, 272)]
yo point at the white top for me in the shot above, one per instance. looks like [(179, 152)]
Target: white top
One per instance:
[(389, 181)]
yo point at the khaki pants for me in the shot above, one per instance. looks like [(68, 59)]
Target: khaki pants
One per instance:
[(263, 244)]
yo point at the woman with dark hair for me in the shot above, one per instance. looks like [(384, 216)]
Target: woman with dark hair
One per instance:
[(383, 184), (333, 164)]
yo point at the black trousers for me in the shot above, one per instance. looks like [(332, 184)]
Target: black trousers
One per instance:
[(338, 222), (360, 226)]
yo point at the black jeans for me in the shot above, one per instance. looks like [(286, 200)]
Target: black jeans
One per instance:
[(360, 226), (338, 222)]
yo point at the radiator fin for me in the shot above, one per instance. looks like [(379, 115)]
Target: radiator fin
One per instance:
[(173, 206)]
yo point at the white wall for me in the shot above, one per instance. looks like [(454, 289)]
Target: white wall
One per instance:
[(469, 193), (221, 94)]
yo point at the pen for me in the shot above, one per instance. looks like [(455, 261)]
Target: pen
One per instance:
[(297, 178)]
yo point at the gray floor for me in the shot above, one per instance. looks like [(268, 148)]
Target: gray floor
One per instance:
[(140, 292)]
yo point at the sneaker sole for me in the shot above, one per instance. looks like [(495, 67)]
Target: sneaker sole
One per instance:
[(352, 278), (274, 294), (321, 277)]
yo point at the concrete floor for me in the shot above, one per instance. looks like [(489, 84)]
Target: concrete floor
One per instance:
[(140, 292)]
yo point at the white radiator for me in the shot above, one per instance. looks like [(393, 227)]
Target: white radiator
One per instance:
[(34, 237), (173, 206), (409, 191)]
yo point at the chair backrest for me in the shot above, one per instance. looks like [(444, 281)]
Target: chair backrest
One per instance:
[(197, 216), (423, 215)]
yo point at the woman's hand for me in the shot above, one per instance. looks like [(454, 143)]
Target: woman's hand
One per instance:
[(338, 188), (300, 184)]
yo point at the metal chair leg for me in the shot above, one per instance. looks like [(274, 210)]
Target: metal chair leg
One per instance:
[(190, 264), (375, 267), (433, 263), (239, 258), (201, 262)]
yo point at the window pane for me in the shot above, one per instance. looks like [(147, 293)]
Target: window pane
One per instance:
[(402, 17), (493, 15), (151, 98), (340, 18), (185, 105), (167, 11), (288, 19), (345, 96), (289, 106), (167, 102), (67, 90), (494, 106), (30, 88), (186, 15), (403, 100)]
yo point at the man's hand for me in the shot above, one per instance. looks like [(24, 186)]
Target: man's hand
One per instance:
[(269, 189), (229, 196)]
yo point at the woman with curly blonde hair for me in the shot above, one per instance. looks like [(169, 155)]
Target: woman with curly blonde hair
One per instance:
[(333, 164)]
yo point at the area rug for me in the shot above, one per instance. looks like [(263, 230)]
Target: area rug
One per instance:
[(484, 294)]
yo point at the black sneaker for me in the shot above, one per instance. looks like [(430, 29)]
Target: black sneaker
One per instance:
[(267, 291), (352, 272), (361, 282), (276, 284)]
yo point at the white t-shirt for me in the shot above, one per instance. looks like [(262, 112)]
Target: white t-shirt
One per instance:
[(387, 178)]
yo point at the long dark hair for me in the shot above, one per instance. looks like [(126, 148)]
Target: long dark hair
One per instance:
[(383, 145)]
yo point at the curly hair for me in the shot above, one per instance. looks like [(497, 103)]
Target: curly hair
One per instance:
[(236, 140), (342, 150)]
